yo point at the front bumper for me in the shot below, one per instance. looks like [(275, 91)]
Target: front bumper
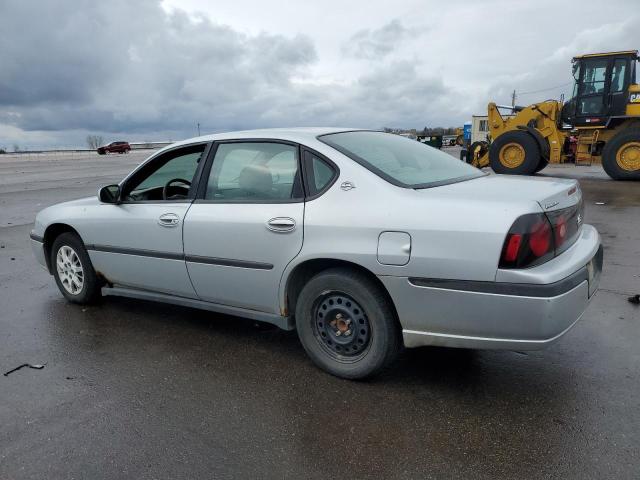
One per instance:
[(497, 315), (37, 246)]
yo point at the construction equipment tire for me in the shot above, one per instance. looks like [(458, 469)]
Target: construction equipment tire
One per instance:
[(621, 155), (515, 153)]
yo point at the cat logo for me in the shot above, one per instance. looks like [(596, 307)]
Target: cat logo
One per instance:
[(634, 98)]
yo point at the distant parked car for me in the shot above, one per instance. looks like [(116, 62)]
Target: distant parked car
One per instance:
[(362, 241), (114, 147)]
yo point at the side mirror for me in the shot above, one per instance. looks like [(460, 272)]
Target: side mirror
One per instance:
[(109, 194)]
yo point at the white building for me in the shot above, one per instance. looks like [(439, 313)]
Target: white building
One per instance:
[(479, 128)]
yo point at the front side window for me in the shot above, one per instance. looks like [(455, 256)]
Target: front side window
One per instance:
[(595, 74), (254, 172), (399, 160), (168, 177)]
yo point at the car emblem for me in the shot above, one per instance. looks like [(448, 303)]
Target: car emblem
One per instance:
[(550, 205), (346, 186), (579, 219)]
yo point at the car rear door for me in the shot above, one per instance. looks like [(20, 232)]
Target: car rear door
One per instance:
[(246, 224)]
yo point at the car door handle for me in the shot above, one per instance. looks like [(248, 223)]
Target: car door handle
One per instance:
[(281, 224), (169, 220)]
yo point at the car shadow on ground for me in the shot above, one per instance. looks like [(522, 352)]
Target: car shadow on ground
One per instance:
[(126, 324)]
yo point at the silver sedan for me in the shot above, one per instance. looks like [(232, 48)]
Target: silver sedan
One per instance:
[(362, 241)]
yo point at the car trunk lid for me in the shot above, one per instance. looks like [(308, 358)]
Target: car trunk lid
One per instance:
[(549, 193)]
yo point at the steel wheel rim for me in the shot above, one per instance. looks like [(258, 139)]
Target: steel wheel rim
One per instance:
[(512, 155), (341, 326), (628, 157), (70, 271)]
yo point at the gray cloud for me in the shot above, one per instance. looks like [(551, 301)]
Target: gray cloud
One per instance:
[(105, 66), (376, 43), (550, 77), (133, 70)]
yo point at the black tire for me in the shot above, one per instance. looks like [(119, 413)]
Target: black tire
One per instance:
[(91, 284), (610, 152), (482, 146), (375, 337), (531, 149), (542, 165)]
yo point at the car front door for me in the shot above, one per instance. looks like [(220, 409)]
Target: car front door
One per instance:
[(138, 242), (246, 224)]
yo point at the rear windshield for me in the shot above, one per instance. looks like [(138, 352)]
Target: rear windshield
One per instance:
[(399, 160)]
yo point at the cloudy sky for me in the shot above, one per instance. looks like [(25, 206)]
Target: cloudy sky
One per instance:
[(152, 69)]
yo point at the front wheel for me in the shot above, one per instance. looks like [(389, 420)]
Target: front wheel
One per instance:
[(73, 271), (515, 153), (346, 324), (476, 151)]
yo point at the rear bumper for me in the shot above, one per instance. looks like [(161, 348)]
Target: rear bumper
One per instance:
[(494, 315)]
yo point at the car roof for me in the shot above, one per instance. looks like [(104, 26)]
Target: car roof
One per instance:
[(297, 134)]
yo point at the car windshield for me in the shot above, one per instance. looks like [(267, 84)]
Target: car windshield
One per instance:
[(401, 161)]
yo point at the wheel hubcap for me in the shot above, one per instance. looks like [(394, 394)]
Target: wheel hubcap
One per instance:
[(69, 270), (512, 155), (341, 325), (628, 157)]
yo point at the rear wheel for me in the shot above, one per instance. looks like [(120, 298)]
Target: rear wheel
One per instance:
[(72, 269), (515, 153), (621, 155), (542, 165), (346, 324)]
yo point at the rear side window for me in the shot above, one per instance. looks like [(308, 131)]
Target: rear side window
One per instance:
[(254, 172), (319, 173)]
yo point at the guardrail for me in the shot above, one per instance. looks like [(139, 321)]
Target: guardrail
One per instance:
[(134, 146), (148, 145)]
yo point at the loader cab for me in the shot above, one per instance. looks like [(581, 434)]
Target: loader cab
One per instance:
[(601, 88)]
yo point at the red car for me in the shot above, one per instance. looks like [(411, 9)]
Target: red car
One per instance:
[(114, 147)]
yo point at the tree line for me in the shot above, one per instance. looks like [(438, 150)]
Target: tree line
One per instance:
[(425, 131)]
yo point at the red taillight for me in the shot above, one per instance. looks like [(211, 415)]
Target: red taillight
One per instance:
[(566, 224), (537, 237), (529, 242), (560, 229), (540, 238), (512, 247)]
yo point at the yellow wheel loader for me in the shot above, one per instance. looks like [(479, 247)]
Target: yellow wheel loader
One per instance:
[(599, 124), (459, 133)]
